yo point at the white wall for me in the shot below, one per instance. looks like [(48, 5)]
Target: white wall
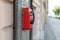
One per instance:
[(6, 20)]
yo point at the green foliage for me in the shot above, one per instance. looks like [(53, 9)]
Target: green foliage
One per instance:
[(56, 10), (57, 18)]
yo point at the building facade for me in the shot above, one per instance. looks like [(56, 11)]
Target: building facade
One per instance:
[(6, 20), (40, 18), (40, 8)]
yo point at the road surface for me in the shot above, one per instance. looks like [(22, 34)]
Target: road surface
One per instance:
[(52, 29)]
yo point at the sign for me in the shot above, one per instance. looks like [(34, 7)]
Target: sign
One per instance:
[(25, 3)]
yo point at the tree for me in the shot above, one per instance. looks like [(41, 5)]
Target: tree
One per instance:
[(56, 10)]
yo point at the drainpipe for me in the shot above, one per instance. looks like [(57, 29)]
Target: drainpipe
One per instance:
[(17, 20)]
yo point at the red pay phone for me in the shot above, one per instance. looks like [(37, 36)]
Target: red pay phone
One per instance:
[(26, 19)]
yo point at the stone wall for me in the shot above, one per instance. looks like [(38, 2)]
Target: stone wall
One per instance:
[(40, 18)]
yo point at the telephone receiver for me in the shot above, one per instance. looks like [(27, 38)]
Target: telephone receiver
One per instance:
[(32, 17)]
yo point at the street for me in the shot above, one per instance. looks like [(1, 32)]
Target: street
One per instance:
[(52, 29)]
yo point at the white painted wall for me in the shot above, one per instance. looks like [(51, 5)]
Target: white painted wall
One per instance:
[(6, 20)]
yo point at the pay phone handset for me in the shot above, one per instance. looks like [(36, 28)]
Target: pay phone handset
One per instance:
[(32, 17)]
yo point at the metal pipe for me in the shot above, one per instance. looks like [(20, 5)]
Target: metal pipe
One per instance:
[(17, 20)]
